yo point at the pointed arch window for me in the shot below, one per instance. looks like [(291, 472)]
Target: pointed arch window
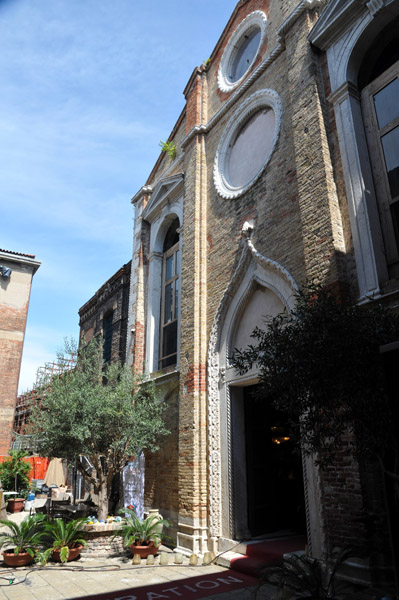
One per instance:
[(170, 297)]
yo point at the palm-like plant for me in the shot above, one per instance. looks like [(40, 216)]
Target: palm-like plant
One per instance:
[(310, 578), (65, 536), (141, 531), (25, 536)]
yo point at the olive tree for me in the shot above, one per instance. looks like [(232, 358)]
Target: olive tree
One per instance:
[(321, 364), (101, 411)]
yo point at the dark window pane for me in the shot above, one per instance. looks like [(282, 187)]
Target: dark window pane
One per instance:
[(395, 221), (172, 237), (169, 271), (390, 143), (169, 345), (107, 334), (168, 303), (245, 55), (387, 103)]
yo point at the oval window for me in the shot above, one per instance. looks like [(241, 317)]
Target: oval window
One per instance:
[(246, 155), (242, 50), (247, 143), (245, 54)]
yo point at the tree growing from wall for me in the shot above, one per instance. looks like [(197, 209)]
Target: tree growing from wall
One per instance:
[(321, 365), (99, 411)]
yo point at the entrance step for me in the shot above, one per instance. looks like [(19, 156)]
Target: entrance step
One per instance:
[(260, 553)]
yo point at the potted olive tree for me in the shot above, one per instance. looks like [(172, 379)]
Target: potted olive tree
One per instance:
[(14, 476)]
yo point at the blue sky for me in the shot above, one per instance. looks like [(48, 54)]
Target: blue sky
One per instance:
[(88, 89)]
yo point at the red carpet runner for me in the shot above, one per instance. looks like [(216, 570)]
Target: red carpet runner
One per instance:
[(185, 589), (261, 553)]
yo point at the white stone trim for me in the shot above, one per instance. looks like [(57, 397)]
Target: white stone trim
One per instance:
[(345, 31), (252, 267), (256, 73), (262, 98), (254, 19)]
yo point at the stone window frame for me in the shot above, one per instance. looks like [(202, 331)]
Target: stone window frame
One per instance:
[(374, 135), (255, 19), (346, 32), (175, 252), (265, 98), (165, 205)]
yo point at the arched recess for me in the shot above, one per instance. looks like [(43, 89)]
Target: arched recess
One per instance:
[(165, 206), (346, 31), (259, 288)]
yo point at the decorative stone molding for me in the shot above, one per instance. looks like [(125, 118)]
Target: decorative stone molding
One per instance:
[(375, 6), (217, 374), (266, 62), (262, 98), (252, 21)]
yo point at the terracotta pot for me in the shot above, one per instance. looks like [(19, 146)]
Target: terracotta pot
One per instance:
[(16, 560), (144, 551), (73, 553), (15, 505)]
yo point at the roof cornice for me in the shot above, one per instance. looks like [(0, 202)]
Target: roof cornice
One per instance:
[(20, 259)]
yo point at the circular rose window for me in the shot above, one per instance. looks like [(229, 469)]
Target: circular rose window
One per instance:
[(241, 50), (247, 143)]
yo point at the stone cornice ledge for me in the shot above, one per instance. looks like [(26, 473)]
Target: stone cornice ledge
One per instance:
[(277, 50), (146, 189)]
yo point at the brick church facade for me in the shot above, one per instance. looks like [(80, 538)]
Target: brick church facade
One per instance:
[(285, 172)]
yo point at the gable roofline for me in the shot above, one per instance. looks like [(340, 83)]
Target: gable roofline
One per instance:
[(166, 190)]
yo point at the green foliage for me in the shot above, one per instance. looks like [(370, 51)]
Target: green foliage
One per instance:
[(141, 531), (14, 472), (309, 578), (169, 148), (25, 536), (100, 411), (64, 536), (321, 365)]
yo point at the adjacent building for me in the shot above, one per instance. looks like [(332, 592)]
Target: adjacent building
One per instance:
[(285, 172), (16, 273), (106, 314)]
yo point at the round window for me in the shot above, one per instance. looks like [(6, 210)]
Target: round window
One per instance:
[(247, 143), (245, 54), (241, 50)]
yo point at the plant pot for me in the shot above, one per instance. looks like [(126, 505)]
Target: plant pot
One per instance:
[(16, 560), (73, 553), (15, 505), (144, 551)]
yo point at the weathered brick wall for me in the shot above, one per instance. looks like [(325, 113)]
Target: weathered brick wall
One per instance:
[(299, 209), (354, 507), (112, 296), (161, 474), (14, 301)]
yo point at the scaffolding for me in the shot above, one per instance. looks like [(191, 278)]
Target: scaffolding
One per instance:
[(24, 403)]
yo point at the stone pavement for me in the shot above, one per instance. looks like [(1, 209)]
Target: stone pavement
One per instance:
[(88, 576), (98, 576)]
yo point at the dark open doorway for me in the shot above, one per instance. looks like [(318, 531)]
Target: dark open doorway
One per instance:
[(275, 495)]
